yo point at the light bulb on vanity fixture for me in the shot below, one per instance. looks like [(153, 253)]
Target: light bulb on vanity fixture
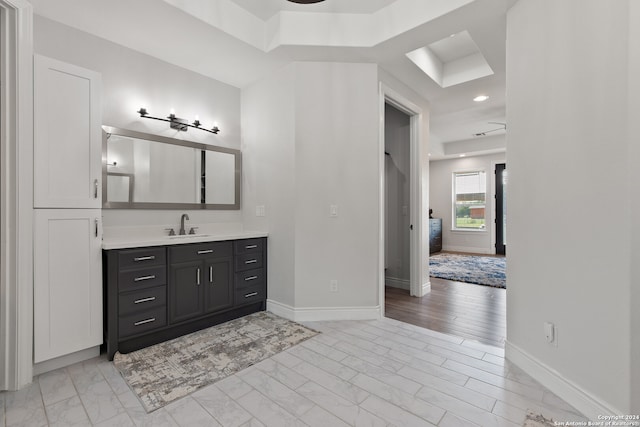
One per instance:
[(178, 123)]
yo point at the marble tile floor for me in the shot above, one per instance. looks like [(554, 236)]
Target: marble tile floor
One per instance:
[(356, 373)]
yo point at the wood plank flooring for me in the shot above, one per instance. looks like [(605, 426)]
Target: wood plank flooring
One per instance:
[(462, 309)]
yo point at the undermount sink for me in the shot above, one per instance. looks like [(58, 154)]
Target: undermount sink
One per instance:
[(188, 236)]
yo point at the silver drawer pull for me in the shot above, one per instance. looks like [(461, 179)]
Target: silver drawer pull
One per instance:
[(251, 246), (251, 261), (142, 322), (208, 251), (252, 294), (138, 301), (145, 258), (140, 279), (247, 279)]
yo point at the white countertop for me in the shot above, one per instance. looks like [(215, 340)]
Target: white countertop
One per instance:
[(130, 237)]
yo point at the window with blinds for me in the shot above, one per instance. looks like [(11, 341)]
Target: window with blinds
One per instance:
[(469, 200)]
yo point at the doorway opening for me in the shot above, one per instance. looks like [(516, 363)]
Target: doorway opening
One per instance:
[(415, 222), (501, 208), (397, 138)]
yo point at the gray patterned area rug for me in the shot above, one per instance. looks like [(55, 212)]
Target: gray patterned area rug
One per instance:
[(480, 270), (170, 370), (537, 420)]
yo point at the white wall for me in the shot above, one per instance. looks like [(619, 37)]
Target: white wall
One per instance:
[(569, 198), (337, 164), (310, 141), (132, 80), (441, 189), (397, 179), (268, 151)]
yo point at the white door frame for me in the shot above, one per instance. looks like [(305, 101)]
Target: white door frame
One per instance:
[(419, 237), (16, 204)]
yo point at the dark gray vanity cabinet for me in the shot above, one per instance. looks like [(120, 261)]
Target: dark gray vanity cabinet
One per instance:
[(250, 272), (158, 293), (199, 279)]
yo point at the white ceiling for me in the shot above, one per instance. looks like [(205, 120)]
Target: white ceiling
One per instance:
[(241, 33), (265, 9)]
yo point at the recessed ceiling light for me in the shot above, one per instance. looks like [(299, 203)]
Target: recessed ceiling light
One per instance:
[(462, 155), (305, 1), (481, 98)]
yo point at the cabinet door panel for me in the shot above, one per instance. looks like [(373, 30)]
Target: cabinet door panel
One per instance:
[(67, 136), (219, 286), (67, 281), (185, 291)]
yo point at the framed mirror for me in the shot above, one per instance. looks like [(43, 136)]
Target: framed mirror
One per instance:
[(144, 171)]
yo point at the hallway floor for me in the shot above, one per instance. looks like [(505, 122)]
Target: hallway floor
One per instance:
[(374, 373), (462, 309)]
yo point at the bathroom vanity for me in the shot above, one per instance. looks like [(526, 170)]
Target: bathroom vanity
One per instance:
[(156, 289)]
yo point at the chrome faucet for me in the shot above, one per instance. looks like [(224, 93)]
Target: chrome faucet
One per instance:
[(182, 218)]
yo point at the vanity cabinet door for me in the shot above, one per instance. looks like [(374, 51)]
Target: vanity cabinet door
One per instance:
[(67, 147), (219, 286), (67, 282), (186, 284)]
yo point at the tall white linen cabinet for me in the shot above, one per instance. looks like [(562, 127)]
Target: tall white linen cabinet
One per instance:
[(67, 209)]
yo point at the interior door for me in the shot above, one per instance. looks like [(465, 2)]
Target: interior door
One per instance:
[(501, 208)]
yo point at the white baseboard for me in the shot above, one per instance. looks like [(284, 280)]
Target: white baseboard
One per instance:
[(312, 314), (66, 360), (589, 405), (484, 251), (426, 288), (395, 282)]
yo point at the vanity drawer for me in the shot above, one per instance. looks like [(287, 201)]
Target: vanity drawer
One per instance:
[(135, 302), (196, 251), (142, 278), (251, 294), (142, 322), (247, 246), (248, 261), (250, 278), (143, 257)]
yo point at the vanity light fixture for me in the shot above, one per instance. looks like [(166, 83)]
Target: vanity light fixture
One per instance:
[(178, 123), (306, 1)]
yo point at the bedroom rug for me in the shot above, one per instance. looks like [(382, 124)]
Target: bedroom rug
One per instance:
[(170, 370), (537, 420), (480, 270)]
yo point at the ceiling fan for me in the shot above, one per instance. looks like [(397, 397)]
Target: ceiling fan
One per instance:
[(503, 126)]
